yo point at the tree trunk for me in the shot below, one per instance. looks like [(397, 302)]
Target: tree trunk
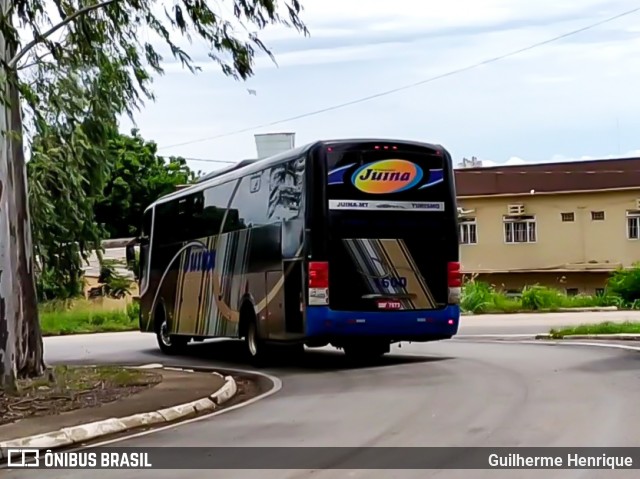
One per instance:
[(8, 310), (21, 350), (30, 351)]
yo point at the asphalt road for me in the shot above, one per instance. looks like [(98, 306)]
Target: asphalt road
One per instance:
[(452, 393), (137, 347), (531, 324)]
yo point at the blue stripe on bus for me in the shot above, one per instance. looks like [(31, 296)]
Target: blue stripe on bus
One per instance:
[(336, 177), (435, 177), (322, 321)]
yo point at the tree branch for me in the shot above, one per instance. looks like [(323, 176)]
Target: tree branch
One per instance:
[(37, 59), (18, 56)]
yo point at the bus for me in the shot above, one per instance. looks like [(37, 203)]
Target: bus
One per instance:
[(349, 243)]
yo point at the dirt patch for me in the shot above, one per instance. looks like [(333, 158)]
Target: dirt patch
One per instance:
[(69, 388)]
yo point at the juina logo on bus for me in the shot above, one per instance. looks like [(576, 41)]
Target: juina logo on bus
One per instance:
[(387, 176)]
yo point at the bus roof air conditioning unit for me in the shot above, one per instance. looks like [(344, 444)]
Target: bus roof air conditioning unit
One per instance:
[(270, 144)]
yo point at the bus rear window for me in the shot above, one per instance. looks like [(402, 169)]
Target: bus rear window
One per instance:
[(402, 174)]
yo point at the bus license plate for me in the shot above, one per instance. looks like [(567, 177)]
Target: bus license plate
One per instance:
[(389, 305)]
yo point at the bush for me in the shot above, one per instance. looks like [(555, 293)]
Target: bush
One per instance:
[(476, 297), (479, 297), (625, 283), (115, 284), (538, 297), (133, 312)]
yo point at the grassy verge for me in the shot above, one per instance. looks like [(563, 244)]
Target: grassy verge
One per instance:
[(100, 316), (72, 380), (84, 316), (68, 388), (599, 328), (479, 298)]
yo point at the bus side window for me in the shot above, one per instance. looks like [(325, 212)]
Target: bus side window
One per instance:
[(285, 190), (145, 245), (166, 225), (250, 202), (216, 200)]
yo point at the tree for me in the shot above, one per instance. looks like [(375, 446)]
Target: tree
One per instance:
[(97, 41), (138, 178), (67, 175)]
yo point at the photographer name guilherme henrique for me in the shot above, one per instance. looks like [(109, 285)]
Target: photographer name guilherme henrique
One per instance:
[(571, 461)]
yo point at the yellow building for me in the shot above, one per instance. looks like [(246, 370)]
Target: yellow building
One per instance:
[(564, 225)]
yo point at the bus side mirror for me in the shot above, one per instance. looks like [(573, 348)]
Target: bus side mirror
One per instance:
[(131, 254)]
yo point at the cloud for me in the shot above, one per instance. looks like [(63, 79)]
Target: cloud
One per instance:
[(576, 96)]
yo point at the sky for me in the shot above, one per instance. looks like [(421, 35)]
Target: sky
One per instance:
[(577, 98)]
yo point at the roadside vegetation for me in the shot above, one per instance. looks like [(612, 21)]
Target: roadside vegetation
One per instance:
[(599, 328), (86, 316), (62, 100), (622, 292), (67, 388), (115, 311)]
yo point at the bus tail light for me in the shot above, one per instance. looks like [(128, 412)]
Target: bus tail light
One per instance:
[(454, 276), (454, 281), (318, 283)]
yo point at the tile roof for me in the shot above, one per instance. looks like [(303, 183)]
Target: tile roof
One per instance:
[(549, 177)]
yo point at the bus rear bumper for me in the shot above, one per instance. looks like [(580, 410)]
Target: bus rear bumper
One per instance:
[(323, 322)]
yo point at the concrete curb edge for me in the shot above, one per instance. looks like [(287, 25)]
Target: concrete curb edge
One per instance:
[(69, 436), (587, 309), (582, 337)]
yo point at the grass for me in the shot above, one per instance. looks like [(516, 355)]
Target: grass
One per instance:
[(479, 298), (104, 315), (84, 316), (599, 328), (75, 379), (67, 388)]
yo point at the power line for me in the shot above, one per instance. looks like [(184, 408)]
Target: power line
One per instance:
[(211, 161), (413, 85)]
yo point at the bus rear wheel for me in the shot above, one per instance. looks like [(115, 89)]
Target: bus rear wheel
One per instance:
[(169, 344)]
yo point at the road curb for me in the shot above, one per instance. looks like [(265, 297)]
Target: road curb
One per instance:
[(586, 309), (582, 337), (69, 436)]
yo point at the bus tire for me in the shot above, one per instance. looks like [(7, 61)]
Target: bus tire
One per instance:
[(256, 349), (169, 344)]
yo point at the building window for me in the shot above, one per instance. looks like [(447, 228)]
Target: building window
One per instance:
[(520, 229), (597, 215), (633, 225), (572, 291), (567, 217), (468, 231)]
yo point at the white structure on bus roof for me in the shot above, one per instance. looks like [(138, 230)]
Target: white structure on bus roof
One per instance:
[(269, 144)]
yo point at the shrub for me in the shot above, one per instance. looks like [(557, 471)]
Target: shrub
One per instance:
[(133, 311), (115, 284), (538, 297), (480, 297), (476, 296), (625, 283)]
